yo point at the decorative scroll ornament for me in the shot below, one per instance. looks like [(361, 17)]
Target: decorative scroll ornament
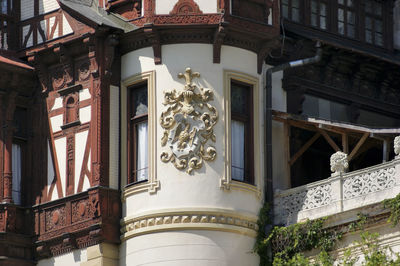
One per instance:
[(339, 163), (397, 146), (188, 125)]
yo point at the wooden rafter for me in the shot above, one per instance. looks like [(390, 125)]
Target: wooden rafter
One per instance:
[(357, 147), (328, 139), (304, 148)]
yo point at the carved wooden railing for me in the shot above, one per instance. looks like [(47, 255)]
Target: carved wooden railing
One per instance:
[(338, 194)]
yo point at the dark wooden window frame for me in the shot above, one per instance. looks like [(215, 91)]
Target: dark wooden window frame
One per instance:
[(248, 120), (133, 121)]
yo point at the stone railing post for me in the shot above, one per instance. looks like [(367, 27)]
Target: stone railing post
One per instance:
[(339, 165)]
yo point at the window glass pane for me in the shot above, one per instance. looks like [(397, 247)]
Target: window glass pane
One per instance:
[(368, 6), (16, 173), (285, 2), (368, 36), (368, 23), (378, 9), (341, 2), (314, 20), (3, 6), (350, 31), (239, 99), (314, 7), (295, 15), (237, 143), (295, 3), (378, 25), (378, 39), (322, 9), (322, 21), (340, 14), (349, 3), (142, 151), (285, 11), (341, 28), (140, 100), (351, 18)]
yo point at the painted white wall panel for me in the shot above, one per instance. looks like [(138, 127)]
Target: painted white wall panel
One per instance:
[(66, 27), (114, 135), (27, 9), (85, 114), (25, 31), (58, 103), (84, 94), (56, 122), (50, 167), (80, 145), (86, 184), (46, 6), (61, 152), (166, 6), (73, 258)]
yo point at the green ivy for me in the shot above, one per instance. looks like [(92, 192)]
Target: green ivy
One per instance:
[(394, 206), (284, 246)]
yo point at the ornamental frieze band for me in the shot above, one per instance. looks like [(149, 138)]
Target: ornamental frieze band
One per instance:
[(188, 125)]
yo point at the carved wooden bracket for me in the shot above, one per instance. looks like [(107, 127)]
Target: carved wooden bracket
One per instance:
[(67, 62), (41, 71), (264, 51), (219, 36), (111, 43), (154, 38)]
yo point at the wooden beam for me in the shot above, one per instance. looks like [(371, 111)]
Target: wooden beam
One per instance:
[(328, 139), (345, 143), (357, 147), (304, 148)]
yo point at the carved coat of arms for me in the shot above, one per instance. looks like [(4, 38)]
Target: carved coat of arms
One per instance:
[(188, 125)]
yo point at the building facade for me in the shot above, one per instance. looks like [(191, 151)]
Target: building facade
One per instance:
[(151, 132)]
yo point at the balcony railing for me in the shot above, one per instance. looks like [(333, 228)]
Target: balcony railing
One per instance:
[(340, 193)]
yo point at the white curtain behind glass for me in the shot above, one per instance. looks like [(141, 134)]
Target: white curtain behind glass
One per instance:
[(142, 152), (16, 173), (237, 150)]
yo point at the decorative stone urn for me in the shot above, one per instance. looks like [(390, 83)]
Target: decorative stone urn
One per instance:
[(397, 147), (339, 163)]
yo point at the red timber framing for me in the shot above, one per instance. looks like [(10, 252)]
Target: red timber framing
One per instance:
[(252, 25), (66, 201), (76, 209)]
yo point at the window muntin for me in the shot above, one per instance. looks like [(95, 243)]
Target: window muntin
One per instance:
[(241, 132), (138, 133)]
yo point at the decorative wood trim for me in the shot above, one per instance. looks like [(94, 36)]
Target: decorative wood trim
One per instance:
[(185, 7), (153, 184)]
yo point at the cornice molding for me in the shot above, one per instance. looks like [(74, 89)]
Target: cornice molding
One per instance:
[(189, 219)]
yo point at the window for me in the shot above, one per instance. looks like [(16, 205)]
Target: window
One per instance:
[(3, 7), (16, 173), (241, 132), (319, 14), (346, 18), (373, 23), (138, 133), (291, 10)]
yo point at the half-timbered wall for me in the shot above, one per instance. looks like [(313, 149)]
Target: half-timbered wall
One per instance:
[(41, 21)]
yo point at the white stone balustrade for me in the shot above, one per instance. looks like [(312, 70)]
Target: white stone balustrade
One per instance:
[(340, 193)]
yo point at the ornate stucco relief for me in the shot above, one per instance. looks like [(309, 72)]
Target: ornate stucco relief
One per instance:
[(188, 125)]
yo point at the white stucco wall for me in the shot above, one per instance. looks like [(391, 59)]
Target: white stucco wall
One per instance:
[(194, 248), (179, 190), (71, 259), (166, 6)]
